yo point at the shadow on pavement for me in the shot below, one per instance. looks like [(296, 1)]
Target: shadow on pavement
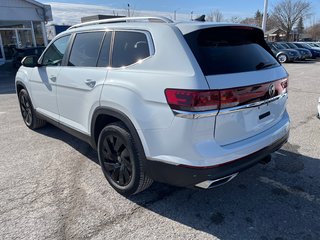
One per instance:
[(82, 147), (7, 77), (279, 201), (308, 61)]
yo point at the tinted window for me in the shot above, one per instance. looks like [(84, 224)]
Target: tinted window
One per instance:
[(279, 46), (129, 48), (85, 49), (105, 51), (292, 45), (54, 54), (225, 50)]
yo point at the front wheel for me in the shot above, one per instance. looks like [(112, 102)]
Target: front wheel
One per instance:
[(28, 112), (282, 58), (120, 160)]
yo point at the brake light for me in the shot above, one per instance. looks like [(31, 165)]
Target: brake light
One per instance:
[(192, 100), (204, 100), (229, 98)]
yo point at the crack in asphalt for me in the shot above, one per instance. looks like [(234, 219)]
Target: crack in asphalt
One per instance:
[(161, 195), (306, 121)]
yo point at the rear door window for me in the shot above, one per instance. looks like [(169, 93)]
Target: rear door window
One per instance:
[(224, 50), (129, 48), (85, 49)]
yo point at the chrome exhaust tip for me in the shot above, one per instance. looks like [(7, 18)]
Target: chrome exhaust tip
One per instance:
[(216, 182)]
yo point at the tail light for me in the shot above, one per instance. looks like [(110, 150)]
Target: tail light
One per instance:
[(192, 100), (199, 100)]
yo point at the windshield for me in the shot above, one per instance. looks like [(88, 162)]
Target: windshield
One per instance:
[(313, 45), (306, 45), (279, 46), (223, 50), (285, 45), (291, 45)]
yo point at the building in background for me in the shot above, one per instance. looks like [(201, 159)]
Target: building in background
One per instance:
[(98, 17), (54, 29), (22, 25), (274, 35)]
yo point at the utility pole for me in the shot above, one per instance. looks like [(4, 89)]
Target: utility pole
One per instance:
[(128, 10), (175, 13), (265, 16), (191, 15)]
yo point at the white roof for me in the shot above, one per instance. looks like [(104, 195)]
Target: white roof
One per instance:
[(150, 23)]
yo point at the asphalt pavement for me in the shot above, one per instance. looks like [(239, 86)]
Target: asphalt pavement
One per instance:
[(51, 185)]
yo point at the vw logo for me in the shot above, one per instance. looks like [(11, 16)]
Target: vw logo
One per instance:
[(272, 90)]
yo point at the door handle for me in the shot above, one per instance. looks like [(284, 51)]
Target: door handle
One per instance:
[(90, 83), (53, 78)]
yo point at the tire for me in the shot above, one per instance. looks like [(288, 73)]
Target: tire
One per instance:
[(282, 58), (27, 111), (121, 160)]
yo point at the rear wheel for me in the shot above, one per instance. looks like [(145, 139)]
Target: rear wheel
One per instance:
[(282, 58), (120, 160), (28, 112)]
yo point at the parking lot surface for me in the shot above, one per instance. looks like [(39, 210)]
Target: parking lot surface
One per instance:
[(51, 185)]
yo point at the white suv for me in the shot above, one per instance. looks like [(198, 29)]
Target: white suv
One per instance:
[(189, 104)]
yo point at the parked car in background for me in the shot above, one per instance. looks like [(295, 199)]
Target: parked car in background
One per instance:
[(193, 108), (305, 53), (315, 52), (20, 53), (284, 55), (314, 44)]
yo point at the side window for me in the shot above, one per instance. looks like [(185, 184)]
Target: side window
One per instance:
[(85, 49), (54, 54), (129, 48), (105, 51)]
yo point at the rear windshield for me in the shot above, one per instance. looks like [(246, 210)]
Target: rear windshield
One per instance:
[(223, 50)]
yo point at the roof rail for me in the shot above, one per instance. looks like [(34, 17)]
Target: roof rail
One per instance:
[(123, 19)]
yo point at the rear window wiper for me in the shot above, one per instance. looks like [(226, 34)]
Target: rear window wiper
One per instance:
[(263, 65)]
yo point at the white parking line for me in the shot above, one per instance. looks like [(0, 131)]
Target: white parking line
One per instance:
[(2, 112), (288, 189)]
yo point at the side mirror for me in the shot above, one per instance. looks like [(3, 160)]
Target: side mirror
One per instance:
[(30, 61)]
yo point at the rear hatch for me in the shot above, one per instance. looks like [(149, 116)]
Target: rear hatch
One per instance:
[(252, 85)]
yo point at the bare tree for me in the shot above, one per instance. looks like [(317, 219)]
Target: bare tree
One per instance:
[(235, 19), (314, 31), (272, 22), (215, 16), (249, 21), (288, 12)]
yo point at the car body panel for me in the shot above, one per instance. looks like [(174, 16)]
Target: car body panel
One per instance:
[(246, 123), (44, 90), (76, 98)]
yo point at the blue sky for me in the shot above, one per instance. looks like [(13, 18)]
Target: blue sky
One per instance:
[(229, 8), (185, 6)]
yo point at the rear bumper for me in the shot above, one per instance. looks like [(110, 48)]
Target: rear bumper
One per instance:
[(185, 176)]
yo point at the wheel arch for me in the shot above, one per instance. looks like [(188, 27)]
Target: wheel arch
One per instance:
[(105, 115), (19, 86)]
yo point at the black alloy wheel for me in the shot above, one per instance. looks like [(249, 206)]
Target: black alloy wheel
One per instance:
[(116, 160), (26, 108), (28, 112), (120, 157)]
